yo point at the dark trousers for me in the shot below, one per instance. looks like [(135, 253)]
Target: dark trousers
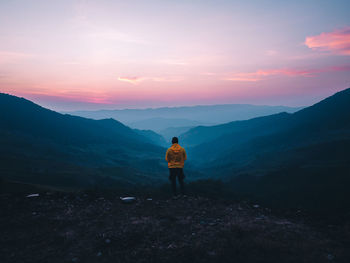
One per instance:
[(179, 173)]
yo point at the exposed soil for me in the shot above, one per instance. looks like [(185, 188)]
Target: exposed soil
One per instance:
[(81, 227)]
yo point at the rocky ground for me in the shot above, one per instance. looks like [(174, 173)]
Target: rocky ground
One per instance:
[(86, 227)]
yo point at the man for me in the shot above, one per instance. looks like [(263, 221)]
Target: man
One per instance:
[(176, 156)]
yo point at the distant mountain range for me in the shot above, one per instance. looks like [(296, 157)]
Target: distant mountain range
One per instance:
[(160, 124), (160, 119), (43, 146), (300, 158)]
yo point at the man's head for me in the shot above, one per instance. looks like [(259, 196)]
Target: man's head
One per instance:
[(175, 140)]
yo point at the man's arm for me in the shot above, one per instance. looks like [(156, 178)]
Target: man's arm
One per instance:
[(185, 155), (167, 155)]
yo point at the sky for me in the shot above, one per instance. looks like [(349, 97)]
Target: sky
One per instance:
[(111, 54)]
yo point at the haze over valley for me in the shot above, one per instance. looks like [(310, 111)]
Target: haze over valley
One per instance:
[(172, 121)]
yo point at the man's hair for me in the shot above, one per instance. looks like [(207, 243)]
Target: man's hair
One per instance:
[(175, 140)]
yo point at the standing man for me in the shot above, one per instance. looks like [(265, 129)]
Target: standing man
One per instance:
[(176, 156)]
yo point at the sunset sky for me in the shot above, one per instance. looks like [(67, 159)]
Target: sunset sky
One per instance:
[(111, 54)]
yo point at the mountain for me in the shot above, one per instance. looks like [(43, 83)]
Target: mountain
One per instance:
[(326, 120), (248, 128), (156, 119), (170, 132), (159, 124), (43, 146), (285, 159), (152, 136), (301, 158)]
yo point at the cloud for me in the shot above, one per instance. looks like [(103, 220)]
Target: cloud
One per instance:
[(243, 78), (263, 74), (132, 80), (337, 41), (68, 96), (136, 80), (286, 72)]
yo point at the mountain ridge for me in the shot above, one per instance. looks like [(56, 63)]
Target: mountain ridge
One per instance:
[(203, 114), (309, 119), (41, 145)]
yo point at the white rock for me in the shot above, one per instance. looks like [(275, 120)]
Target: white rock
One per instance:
[(128, 199), (33, 195)]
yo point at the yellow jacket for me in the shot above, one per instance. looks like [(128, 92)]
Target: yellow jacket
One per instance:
[(176, 156)]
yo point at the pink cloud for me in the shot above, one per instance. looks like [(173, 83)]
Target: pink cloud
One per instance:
[(337, 41), (286, 72), (136, 80), (66, 95), (132, 80), (242, 77), (262, 74)]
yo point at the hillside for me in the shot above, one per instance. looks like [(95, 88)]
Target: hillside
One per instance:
[(23, 116), (153, 137), (242, 141), (251, 128), (92, 227), (43, 146), (296, 160)]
